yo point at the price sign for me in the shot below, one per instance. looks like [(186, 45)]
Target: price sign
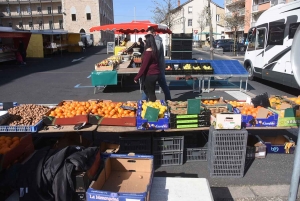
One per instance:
[(110, 47)]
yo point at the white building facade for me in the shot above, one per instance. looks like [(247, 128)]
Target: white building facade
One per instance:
[(187, 16)]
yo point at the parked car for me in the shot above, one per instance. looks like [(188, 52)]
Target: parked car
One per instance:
[(227, 45)]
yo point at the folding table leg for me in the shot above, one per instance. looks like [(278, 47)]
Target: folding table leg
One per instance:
[(246, 87)]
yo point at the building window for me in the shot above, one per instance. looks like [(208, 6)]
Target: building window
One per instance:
[(10, 24), (292, 29), (276, 34), (50, 24), (190, 9), (49, 10), (73, 13), (29, 10), (20, 24), (218, 18), (73, 17), (8, 11), (88, 16), (19, 10), (30, 25), (190, 22), (40, 24), (61, 24), (59, 9), (39, 9)]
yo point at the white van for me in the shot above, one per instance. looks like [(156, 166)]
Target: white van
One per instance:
[(269, 44)]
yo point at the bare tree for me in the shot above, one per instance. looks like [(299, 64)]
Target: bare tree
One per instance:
[(202, 20), (165, 11), (235, 20)]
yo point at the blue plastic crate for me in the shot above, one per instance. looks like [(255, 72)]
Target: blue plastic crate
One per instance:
[(22, 129), (144, 124)]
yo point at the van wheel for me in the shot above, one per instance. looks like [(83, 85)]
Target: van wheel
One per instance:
[(250, 71)]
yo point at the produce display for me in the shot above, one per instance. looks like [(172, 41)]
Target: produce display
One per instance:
[(210, 101), (250, 110), (187, 67), (26, 115), (236, 103), (105, 109), (115, 59), (105, 62), (8, 143), (217, 110), (137, 59), (207, 67), (177, 107), (156, 105), (295, 100)]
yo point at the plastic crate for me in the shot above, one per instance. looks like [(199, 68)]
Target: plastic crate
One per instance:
[(167, 144), (28, 129), (168, 158), (227, 152), (135, 144), (196, 154)]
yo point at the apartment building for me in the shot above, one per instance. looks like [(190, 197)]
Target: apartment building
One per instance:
[(188, 15), (71, 15), (249, 11)]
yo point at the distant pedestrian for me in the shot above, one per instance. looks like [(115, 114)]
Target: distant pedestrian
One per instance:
[(22, 51)]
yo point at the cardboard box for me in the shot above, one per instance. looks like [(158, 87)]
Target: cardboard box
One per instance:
[(123, 178), (19, 153), (279, 144), (255, 147), (264, 118), (144, 124), (288, 117), (107, 149), (228, 121)]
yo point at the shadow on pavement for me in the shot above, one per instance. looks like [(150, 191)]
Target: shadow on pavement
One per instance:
[(280, 87), (11, 71), (165, 174), (221, 194)]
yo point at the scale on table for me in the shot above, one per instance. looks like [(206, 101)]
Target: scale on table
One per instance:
[(135, 54)]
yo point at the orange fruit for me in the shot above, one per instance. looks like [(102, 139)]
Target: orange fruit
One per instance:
[(254, 115), (249, 113), (15, 139)]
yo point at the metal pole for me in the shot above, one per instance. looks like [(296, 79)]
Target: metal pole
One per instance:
[(296, 172), (210, 31)]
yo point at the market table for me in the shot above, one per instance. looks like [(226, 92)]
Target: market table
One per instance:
[(121, 129), (222, 69), (178, 189), (67, 128)]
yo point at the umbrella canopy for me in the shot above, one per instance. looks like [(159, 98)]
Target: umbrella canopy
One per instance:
[(132, 27)]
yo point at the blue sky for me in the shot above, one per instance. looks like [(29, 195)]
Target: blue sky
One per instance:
[(124, 10)]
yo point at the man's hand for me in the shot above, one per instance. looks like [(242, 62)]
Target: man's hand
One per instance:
[(135, 81)]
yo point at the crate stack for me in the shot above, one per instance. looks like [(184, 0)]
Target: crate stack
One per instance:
[(135, 144), (195, 147), (182, 46), (168, 150), (227, 152)]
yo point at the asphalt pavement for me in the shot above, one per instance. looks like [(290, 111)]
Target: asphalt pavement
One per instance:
[(67, 77)]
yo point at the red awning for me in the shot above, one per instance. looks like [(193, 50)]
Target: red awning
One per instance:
[(132, 27)]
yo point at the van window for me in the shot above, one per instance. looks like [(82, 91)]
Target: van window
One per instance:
[(260, 38), (276, 34), (293, 29), (251, 38)]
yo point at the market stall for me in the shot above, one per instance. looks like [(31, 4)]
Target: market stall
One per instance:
[(211, 119), (9, 42), (131, 28), (48, 42)]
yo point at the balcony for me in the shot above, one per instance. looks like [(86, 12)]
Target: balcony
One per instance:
[(261, 7), (25, 14), (27, 1)]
